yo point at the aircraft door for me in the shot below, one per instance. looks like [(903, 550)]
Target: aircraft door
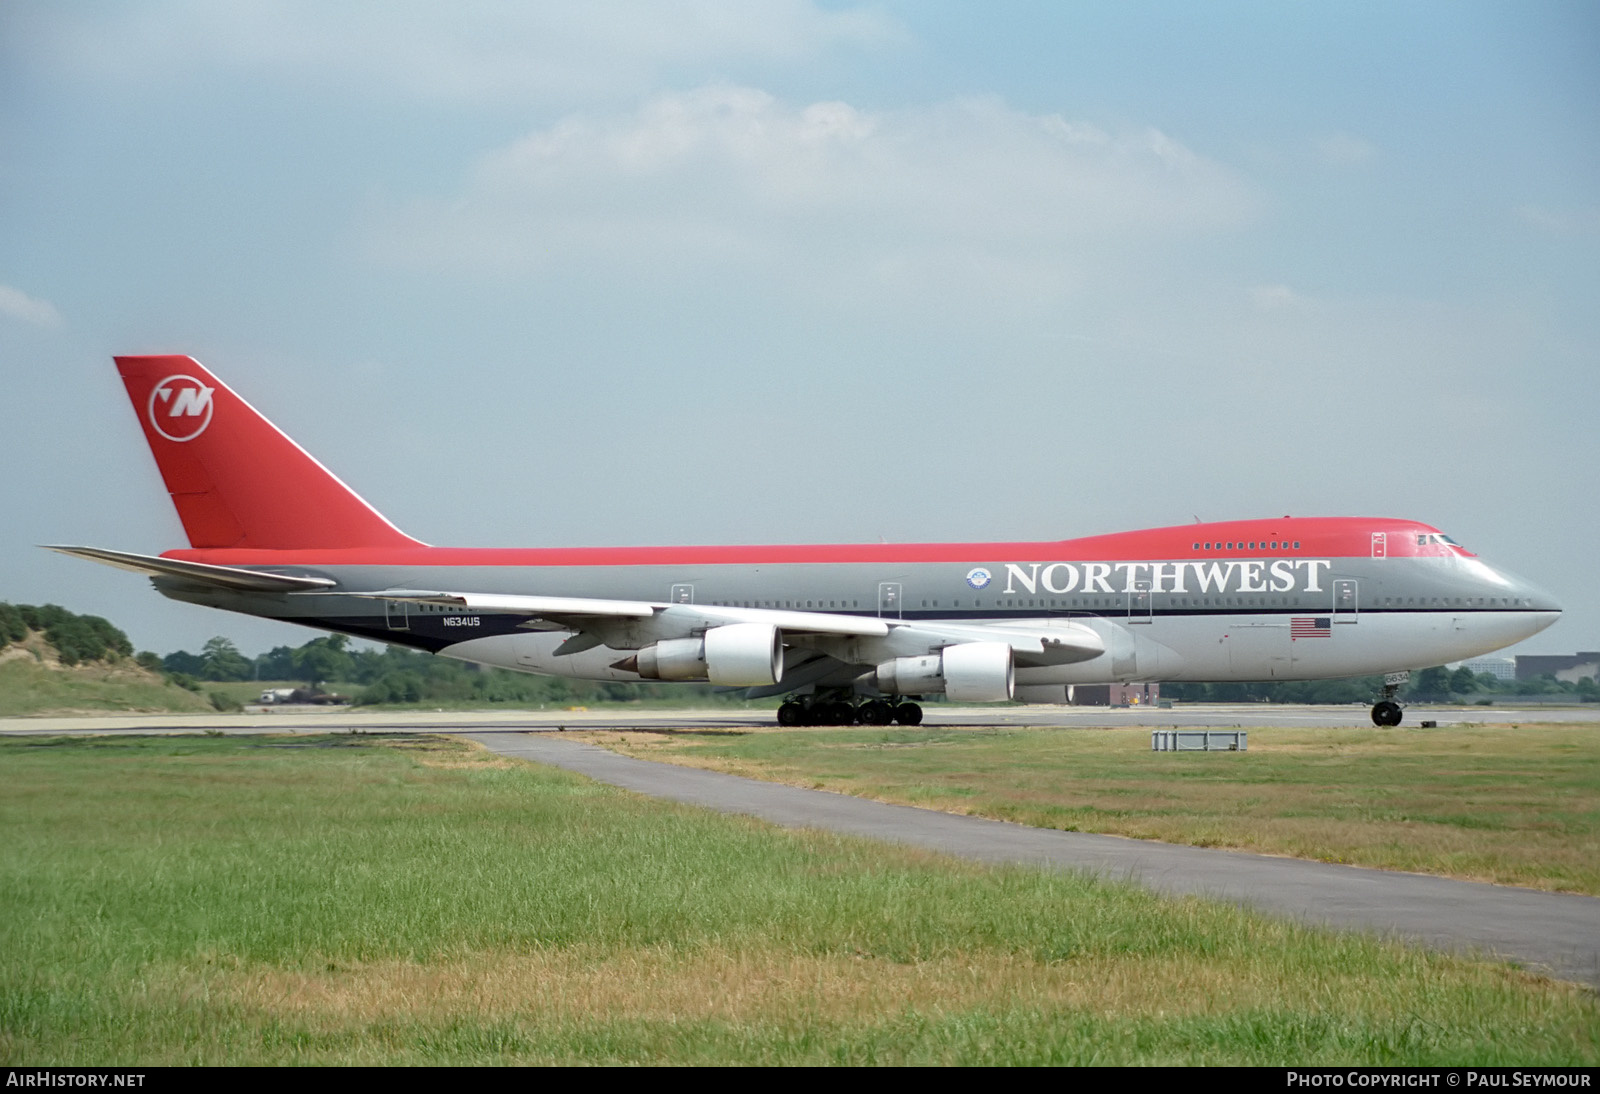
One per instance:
[(1345, 604), (889, 599), (1140, 609), (1380, 545), (395, 615)]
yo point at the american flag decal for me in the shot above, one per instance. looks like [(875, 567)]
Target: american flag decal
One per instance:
[(1306, 626)]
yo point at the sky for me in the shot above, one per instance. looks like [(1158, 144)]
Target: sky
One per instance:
[(772, 271)]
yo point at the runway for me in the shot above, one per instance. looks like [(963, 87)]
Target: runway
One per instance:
[(1554, 932), (1209, 715)]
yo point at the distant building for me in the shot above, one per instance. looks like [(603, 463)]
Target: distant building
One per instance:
[(1570, 667), (1501, 668)]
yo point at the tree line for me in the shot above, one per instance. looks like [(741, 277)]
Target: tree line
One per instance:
[(395, 674), (1435, 685)]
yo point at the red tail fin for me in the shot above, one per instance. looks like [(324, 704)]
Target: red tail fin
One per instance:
[(235, 478)]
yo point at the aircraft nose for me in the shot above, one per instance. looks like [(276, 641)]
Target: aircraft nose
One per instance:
[(1507, 590), (1542, 601), (1539, 609), (1530, 595)]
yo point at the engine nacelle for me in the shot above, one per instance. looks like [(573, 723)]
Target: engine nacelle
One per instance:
[(735, 655), (978, 672), (972, 672), (744, 655), (911, 676), (673, 659)]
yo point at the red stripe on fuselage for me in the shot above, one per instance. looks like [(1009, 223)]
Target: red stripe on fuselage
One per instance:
[(1319, 537)]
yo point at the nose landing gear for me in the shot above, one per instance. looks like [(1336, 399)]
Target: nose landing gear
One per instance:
[(1386, 712)]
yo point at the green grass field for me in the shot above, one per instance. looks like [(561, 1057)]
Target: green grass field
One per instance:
[(412, 900), (1517, 805)]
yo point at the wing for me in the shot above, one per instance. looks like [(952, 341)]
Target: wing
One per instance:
[(556, 609), (1038, 642), (577, 613), (1034, 642)]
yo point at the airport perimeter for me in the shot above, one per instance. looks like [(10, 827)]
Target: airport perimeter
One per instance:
[(1557, 932)]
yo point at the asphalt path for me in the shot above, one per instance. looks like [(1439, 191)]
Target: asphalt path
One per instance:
[(1557, 933)]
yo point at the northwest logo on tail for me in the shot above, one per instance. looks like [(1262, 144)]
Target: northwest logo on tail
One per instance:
[(180, 408)]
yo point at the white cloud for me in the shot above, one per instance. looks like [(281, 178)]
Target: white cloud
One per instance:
[(731, 175), (472, 50), (19, 305)]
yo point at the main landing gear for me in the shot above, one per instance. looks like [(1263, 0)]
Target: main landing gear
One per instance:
[(840, 710), (1386, 712)]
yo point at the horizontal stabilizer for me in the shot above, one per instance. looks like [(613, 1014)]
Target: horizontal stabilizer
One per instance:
[(227, 577)]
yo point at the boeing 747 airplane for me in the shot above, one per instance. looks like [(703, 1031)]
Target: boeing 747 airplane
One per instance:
[(850, 632)]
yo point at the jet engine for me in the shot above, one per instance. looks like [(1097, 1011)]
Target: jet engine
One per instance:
[(734, 655), (972, 672)]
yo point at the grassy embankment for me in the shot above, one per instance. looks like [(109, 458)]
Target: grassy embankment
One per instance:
[(33, 681), (322, 900), (1516, 805)]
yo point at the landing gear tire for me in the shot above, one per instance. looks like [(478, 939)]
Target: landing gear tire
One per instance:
[(1386, 712), (817, 711), (908, 714), (837, 713), (875, 712)]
